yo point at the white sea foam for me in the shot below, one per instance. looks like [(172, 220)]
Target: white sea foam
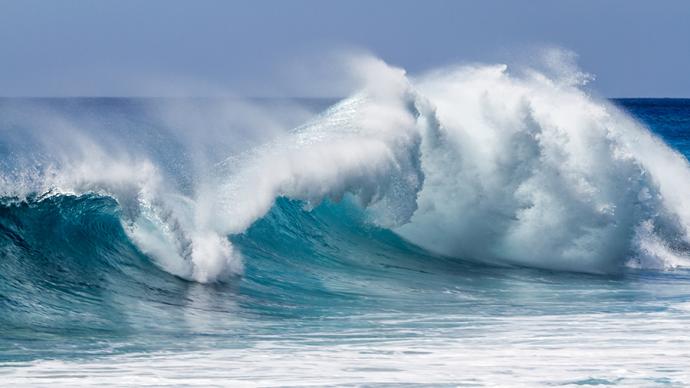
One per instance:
[(534, 171), (571, 350)]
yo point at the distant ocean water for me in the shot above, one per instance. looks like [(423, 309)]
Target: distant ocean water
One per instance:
[(466, 229)]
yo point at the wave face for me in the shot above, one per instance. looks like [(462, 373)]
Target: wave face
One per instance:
[(424, 223)]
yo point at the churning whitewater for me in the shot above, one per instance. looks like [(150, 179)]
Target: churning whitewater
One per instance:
[(474, 162)]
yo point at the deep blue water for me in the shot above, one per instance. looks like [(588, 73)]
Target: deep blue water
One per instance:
[(320, 289), (668, 117)]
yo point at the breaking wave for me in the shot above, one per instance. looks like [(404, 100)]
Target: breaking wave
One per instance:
[(474, 162)]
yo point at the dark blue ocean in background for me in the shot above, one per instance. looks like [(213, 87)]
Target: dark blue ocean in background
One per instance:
[(318, 290)]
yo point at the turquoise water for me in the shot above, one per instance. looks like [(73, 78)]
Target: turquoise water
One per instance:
[(315, 291)]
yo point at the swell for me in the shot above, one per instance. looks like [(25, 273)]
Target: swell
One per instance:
[(65, 256), (62, 254)]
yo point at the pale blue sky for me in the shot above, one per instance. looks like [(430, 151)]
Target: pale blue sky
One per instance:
[(157, 47)]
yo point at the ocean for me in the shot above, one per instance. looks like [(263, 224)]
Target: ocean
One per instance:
[(470, 228)]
